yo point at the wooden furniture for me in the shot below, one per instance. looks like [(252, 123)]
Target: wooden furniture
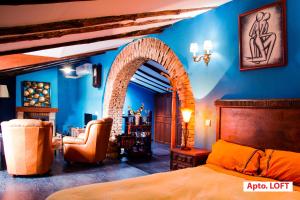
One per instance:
[(137, 143), (181, 159), (163, 119), (130, 120), (272, 123)]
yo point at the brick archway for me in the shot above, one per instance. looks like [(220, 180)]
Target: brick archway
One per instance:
[(127, 63)]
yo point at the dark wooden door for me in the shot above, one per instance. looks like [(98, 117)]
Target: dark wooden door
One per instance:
[(163, 118)]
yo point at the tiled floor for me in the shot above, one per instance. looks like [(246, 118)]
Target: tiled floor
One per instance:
[(64, 176)]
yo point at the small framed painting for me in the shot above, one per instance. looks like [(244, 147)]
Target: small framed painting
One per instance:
[(36, 94), (262, 37)]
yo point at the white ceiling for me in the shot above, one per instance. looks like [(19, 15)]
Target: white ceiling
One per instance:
[(44, 13), (61, 52)]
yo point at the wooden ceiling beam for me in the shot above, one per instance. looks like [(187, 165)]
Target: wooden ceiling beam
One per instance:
[(159, 84), (144, 87), (81, 23), (50, 63), (154, 77), (86, 41), (35, 67), (60, 33), (28, 2), (147, 85), (153, 68), (151, 84)]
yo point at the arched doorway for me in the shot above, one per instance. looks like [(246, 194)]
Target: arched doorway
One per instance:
[(127, 63)]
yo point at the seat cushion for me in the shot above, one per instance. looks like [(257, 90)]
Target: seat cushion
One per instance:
[(23, 123), (72, 140)]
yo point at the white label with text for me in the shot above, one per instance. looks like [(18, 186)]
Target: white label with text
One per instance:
[(260, 186)]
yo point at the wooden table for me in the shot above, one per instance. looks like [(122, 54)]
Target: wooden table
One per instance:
[(136, 144), (181, 159)]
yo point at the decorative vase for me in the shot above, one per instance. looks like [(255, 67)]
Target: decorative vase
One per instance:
[(137, 119)]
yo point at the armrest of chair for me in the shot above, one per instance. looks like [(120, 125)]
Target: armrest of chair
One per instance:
[(72, 140)]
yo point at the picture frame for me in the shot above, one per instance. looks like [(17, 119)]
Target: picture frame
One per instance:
[(36, 94), (262, 37)]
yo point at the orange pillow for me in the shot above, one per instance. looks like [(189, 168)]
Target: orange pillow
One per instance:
[(281, 165), (235, 157)]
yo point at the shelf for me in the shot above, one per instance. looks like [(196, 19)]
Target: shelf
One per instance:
[(37, 109)]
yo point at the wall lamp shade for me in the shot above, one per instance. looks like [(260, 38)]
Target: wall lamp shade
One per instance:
[(4, 91), (207, 47), (194, 48), (186, 114)]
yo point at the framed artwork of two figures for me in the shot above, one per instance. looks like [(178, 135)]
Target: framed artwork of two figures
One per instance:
[(262, 35)]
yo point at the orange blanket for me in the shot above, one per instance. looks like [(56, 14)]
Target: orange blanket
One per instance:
[(204, 182)]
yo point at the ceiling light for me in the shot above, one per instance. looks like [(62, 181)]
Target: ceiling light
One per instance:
[(67, 69)]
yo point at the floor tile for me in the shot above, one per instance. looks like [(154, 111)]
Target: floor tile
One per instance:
[(65, 176)]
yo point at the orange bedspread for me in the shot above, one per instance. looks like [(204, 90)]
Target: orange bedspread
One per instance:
[(204, 182)]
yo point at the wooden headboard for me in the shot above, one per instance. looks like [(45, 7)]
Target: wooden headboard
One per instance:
[(273, 123)]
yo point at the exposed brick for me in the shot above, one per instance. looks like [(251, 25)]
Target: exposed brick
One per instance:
[(126, 64)]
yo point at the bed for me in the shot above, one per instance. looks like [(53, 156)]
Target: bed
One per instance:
[(268, 123)]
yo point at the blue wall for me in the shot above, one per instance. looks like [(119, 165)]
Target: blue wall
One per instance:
[(95, 97), (72, 97), (67, 104), (49, 75), (135, 96), (222, 78)]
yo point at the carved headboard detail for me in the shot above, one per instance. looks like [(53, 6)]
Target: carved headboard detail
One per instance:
[(272, 123)]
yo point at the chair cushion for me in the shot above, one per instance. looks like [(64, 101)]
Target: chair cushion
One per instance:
[(23, 123), (72, 140)]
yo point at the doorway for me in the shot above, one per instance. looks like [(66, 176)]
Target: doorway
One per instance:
[(163, 118), (127, 63)]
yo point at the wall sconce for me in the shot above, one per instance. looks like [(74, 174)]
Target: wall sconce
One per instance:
[(186, 115), (207, 46), (4, 91)]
